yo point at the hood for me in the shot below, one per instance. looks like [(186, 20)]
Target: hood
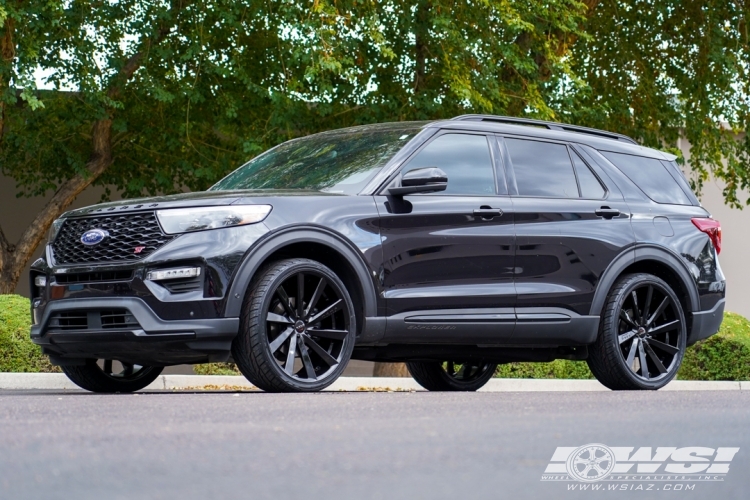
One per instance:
[(186, 200)]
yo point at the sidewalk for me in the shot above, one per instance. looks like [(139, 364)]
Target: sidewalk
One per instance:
[(57, 381)]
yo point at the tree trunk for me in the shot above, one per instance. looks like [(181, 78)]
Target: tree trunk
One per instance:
[(391, 370), (13, 258)]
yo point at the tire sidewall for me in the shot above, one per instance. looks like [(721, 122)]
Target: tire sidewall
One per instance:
[(611, 334)]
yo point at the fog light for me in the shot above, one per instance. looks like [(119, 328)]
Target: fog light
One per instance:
[(40, 281), (169, 274)]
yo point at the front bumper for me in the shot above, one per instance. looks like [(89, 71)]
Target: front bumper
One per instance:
[(147, 339)]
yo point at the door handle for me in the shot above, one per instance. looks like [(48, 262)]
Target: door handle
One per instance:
[(486, 212), (606, 212)]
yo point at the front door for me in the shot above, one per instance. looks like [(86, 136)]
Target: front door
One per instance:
[(448, 257)]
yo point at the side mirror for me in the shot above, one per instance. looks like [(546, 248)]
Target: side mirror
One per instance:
[(420, 180)]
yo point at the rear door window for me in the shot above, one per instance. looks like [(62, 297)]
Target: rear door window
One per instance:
[(591, 188), (651, 176), (542, 169)]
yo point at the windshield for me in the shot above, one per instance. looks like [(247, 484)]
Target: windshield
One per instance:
[(340, 161)]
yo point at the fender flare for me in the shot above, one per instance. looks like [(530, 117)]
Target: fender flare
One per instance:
[(306, 234), (637, 254)]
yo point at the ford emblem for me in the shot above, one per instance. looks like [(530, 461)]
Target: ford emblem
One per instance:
[(94, 237)]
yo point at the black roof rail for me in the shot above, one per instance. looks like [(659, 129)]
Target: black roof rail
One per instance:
[(548, 125)]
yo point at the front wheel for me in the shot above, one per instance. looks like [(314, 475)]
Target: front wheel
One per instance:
[(102, 376), (297, 328), (451, 376), (642, 335)]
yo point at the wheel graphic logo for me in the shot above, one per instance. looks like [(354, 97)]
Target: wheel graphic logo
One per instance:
[(591, 462)]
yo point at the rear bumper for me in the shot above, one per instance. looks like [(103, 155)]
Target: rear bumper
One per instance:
[(152, 341), (706, 323)]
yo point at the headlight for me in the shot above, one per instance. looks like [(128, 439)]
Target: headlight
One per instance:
[(184, 220), (54, 229)]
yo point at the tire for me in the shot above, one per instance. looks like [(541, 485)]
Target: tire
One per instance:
[(642, 325), (94, 378), (318, 333), (450, 376)]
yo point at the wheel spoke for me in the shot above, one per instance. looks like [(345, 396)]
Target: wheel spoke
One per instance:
[(107, 366), (300, 295), (636, 312), (631, 355), (642, 358), (624, 337), (285, 302), (654, 358), (647, 304), (289, 365), (329, 334), (322, 353), (278, 341), (626, 318), (658, 311), (309, 368), (127, 369), (316, 296), (663, 347), (666, 327), (326, 312), (278, 318)]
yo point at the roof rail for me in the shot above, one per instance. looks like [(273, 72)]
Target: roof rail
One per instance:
[(547, 125)]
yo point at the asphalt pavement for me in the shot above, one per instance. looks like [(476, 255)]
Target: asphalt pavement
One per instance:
[(356, 445)]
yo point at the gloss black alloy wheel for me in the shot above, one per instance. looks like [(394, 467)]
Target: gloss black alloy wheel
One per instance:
[(642, 336), (112, 376), (451, 375), (298, 328)]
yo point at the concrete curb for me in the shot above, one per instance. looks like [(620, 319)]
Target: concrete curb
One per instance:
[(58, 381)]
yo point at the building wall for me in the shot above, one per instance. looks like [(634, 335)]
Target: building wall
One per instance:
[(17, 213)]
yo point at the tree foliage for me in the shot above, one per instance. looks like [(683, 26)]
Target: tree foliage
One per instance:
[(151, 96)]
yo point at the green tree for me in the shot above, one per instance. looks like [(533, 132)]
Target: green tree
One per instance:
[(152, 96)]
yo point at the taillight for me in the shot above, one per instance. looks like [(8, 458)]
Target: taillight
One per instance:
[(712, 228)]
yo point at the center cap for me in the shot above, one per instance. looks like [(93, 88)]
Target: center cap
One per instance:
[(641, 331), (299, 326)]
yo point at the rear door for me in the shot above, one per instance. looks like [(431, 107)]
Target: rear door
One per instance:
[(569, 226), (448, 256)]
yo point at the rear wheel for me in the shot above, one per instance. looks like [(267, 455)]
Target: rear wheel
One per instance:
[(642, 335), (297, 329), (450, 375), (112, 376)]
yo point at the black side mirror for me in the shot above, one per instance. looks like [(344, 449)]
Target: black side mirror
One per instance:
[(420, 180)]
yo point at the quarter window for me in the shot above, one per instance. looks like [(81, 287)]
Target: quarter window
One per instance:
[(542, 169), (465, 158), (651, 176)]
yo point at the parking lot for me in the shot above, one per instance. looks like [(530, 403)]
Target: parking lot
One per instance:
[(344, 445)]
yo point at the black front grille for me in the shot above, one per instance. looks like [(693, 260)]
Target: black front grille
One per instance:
[(108, 319), (95, 277), (131, 237)]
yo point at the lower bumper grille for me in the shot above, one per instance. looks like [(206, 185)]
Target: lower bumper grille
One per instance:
[(95, 277), (110, 319)]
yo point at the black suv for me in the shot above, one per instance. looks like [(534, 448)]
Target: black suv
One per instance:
[(450, 245)]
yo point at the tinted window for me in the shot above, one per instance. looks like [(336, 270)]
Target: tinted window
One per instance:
[(674, 169), (591, 188), (651, 176), (465, 158), (542, 169)]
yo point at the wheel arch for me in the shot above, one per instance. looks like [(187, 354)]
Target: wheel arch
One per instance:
[(316, 243), (655, 260)]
